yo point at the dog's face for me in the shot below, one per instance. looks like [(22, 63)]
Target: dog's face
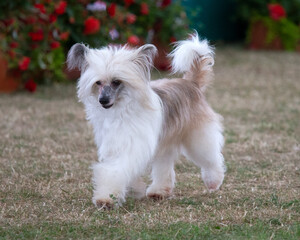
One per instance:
[(109, 91), (110, 74)]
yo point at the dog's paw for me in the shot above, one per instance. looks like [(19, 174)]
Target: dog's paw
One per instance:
[(213, 180), (105, 204), (159, 194), (156, 196), (212, 187)]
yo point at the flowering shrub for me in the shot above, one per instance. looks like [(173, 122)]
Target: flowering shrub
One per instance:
[(281, 18), (120, 21), (35, 35), (279, 26), (276, 11), (31, 39)]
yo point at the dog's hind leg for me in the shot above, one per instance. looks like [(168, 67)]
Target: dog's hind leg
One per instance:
[(163, 174), (203, 147)]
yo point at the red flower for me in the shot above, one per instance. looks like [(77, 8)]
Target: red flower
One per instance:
[(64, 36), (61, 7), (37, 36), (131, 18), (276, 11), (172, 39), (13, 44), (91, 25), (24, 63), (30, 85), (54, 45), (41, 7), (144, 9), (166, 3), (128, 2), (52, 18), (111, 9), (133, 40)]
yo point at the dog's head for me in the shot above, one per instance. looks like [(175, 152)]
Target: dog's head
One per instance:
[(111, 74)]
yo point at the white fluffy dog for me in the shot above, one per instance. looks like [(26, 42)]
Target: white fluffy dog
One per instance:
[(139, 123)]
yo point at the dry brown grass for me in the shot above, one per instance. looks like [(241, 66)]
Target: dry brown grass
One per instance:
[(46, 148)]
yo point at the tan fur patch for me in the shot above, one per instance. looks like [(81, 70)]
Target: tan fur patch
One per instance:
[(183, 101)]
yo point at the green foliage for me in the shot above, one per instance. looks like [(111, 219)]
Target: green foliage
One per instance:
[(12, 7), (286, 28), (246, 9), (173, 22), (289, 34), (287, 31)]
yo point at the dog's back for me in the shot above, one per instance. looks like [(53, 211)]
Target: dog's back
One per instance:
[(183, 98)]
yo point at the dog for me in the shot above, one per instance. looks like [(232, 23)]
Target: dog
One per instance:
[(140, 123)]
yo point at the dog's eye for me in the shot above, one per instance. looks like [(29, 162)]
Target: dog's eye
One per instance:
[(116, 83), (98, 83)]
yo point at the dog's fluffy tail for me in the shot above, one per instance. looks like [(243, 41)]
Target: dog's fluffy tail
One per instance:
[(194, 58)]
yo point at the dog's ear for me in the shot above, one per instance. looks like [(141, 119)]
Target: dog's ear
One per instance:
[(143, 57), (146, 54), (149, 50), (77, 56)]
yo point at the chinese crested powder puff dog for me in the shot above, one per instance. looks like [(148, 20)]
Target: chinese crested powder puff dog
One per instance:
[(139, 123)]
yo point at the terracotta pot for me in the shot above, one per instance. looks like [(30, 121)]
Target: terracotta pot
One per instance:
[(298, 47), (161, 61), (9, 80), (258, 38)]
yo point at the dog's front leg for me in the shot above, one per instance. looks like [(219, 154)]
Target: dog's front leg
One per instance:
[(110, 183)]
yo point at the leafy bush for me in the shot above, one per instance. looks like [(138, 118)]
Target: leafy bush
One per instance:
[(36, 34), (282, 19), (30, 39), (123, 20), (247, 9)]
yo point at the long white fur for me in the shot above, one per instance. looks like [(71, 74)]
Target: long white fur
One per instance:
[(129, 135), (186, 51)]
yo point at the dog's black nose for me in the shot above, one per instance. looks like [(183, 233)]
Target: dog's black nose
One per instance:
[(104, 100)]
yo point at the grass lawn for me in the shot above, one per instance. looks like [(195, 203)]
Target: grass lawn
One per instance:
[(46, 149)]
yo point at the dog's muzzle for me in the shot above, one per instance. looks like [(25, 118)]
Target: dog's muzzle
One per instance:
[(105, 97), (105, 102)]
